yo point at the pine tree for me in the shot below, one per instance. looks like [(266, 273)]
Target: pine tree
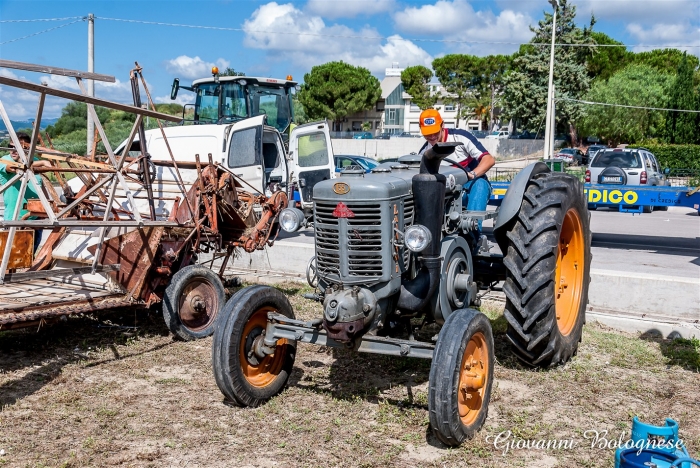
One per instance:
[(682, 127), (525, 96)]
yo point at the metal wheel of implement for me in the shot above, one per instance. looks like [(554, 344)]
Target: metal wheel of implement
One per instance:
[(461, 377), (244, 376), (192, 302), (548, 271)]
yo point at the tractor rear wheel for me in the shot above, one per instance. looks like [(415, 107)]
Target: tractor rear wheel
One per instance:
[(243, 377), (192, 302), (461, 376), (548, 271)]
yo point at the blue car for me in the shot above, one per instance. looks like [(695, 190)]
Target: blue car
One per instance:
[(343, 161)]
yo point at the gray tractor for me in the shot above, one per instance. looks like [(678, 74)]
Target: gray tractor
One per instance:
[(396, 256)]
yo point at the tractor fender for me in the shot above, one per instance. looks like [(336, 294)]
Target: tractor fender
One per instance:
[(514, 197)]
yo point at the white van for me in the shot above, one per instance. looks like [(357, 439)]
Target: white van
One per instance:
[(248, 148)]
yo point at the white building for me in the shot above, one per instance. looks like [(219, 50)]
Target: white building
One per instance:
[(395, 112)]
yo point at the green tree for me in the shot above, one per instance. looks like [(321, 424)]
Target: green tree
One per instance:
[(525, 88), (608, 59), (231, 72), (74, 117), (459, 74), (336, 89), (415, 81), (682, 127), (493, 70), (665, 60), (635, 85)]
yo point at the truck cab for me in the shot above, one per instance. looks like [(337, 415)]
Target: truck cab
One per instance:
[(227, 99)]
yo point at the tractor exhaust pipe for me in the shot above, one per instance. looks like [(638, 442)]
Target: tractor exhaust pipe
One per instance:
[(429, 200)]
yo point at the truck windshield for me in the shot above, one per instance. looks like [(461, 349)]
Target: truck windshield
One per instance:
[(272, 102)]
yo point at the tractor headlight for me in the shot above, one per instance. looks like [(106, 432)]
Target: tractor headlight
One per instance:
[(291, 219), (417, 238)]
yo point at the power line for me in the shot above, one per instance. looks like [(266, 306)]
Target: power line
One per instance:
[(629, 107), (42, 19), (42, 32), (351, 36)]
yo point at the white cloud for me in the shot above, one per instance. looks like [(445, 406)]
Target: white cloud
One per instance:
[(669, 35), (444, 18), (456, 20), (193, 67), (349, 8), (308, 41)]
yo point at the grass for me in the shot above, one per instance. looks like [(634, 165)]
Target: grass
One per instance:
[(157, 403)]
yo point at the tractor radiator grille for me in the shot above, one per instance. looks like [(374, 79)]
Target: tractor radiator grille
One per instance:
[(364, 239), (408, 218), (327, 239), (361, 236)]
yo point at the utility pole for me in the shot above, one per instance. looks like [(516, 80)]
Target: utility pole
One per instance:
[(91, 83), (548, 128)]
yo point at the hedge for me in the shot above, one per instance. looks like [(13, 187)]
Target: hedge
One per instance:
[(675, 156)]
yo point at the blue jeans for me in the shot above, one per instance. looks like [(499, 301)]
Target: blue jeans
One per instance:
[(476, 196)]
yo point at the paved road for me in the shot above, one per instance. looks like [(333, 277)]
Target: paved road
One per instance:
[(662, 243)]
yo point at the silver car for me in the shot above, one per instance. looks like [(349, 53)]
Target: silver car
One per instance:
[(619, 166)]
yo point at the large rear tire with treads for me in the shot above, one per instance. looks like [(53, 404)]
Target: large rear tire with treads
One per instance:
[(548, 270)]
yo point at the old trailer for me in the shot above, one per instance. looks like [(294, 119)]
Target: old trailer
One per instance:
[(130, 232)]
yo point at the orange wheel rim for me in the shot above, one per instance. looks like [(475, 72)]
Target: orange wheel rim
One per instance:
[(260, 372), (473, 379), (569, 275)]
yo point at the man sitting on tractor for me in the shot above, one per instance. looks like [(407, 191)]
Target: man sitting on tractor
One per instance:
[(471, 155)]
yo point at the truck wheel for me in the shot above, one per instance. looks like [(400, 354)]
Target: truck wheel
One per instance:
[(548, 270), (192, 302), (243, 377), (461, 376), (647, 209)]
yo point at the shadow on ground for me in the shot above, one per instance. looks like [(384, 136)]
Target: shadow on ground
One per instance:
[(46, 351)]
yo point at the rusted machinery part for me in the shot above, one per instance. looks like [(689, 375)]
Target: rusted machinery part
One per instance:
[(258, 237), (27, 316)]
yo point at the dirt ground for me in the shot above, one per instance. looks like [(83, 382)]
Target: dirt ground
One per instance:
[(118, 390)]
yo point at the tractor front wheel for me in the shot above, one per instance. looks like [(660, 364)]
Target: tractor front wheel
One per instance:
[(548, 270), (243, 376), (461, 376)]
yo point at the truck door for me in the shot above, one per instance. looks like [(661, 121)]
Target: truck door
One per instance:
[(245, 151), (312, 158)]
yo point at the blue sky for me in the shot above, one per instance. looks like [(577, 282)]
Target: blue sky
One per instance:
[(274, 39)]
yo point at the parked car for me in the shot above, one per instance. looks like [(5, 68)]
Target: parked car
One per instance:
[(591, 151), (619, 166), (479, 133), (362, 136), (383, 136), (498, 134), (570, 155), (404, 135), (342, 161)]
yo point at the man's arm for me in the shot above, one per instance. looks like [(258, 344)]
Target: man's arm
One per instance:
[(485, 163)]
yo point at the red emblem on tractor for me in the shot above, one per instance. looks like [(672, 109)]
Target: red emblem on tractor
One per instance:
[(342, 211)]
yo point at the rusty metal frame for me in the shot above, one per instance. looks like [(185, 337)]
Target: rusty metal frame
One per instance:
[(113, 177), (214, 214)]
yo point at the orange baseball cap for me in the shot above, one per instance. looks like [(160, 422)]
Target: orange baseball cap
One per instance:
[(430, 121)]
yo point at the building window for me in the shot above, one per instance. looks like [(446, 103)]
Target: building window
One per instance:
[(449, 107), (392, 117), (356, 126), (377, 124)]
